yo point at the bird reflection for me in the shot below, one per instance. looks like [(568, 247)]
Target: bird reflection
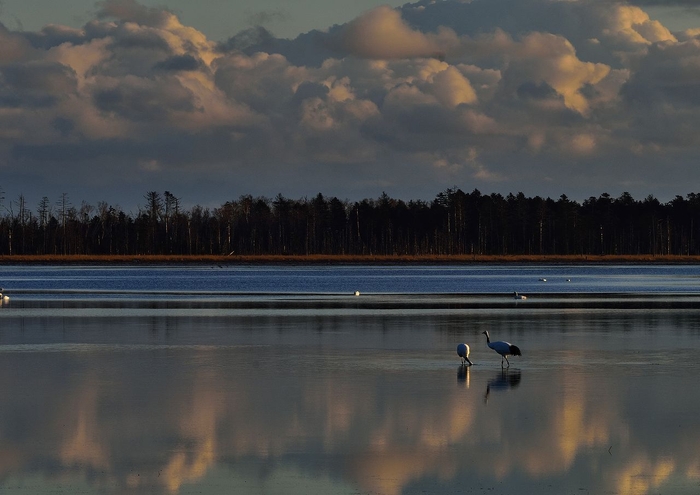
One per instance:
[(504, 380), (463, 375)]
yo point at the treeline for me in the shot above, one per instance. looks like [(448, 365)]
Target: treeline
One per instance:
[(454, 222)]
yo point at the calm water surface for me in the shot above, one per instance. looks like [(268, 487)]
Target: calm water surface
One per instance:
[(203, 280), (267, 380)]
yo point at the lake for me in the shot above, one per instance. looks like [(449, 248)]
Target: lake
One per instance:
[(278, 380)]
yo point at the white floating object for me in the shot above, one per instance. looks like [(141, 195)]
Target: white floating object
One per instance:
[(357, 292), (543, 280)]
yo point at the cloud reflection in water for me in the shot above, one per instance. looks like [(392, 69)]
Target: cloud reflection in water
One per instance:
[(330, 411)]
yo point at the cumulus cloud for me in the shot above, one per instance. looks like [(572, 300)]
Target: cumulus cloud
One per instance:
[(497, 94), (552, 59), (451, 87), (629, 26), (382, 33)]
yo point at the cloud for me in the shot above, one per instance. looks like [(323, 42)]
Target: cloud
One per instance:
[(132, 11), (451, 88), (39, 77), (139, 99), (13, 46), (666, 3), (184, 62), (487, 93), (382, 33), (552, 59), (632, 25)]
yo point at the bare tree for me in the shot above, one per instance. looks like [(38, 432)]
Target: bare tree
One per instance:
[(63, 206)]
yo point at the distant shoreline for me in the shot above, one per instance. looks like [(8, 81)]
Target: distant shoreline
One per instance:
[(343, 259)]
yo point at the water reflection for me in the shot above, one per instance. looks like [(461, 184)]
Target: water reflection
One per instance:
[(464, 375), (504, 380), (345, 405)]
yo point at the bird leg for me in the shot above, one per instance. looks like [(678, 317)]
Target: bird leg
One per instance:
[(507, 361)]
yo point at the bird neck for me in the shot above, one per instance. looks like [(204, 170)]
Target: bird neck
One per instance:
[(488, 340)]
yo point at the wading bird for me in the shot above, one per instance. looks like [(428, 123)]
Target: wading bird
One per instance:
[(505, 349), (463, 352)]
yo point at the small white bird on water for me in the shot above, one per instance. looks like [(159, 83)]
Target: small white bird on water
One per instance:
[(463, 352), (518, 296), (505, 349)]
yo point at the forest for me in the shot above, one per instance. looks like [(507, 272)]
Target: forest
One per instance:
[(453, 223)]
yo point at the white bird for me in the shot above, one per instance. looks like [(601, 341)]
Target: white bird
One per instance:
[(505, 349), (543, 280), (463, 352), (518, 296), (357, 292)]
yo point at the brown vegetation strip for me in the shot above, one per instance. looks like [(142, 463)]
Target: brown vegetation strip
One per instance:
[(341, 259)]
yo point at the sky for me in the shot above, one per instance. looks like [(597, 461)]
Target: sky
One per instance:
[(215, 99)]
